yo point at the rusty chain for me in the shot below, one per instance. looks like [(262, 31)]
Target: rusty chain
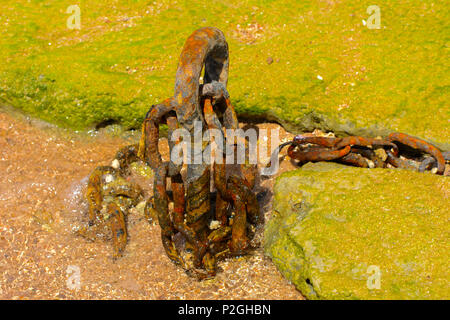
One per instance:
[(362, 152), (236, 210)]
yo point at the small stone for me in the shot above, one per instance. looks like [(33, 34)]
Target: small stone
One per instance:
[(381, 153), (140, 207), (269, 60), (214, 224), (109, 178), (115, 164)]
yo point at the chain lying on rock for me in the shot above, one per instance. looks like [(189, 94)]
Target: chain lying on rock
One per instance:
[(362, 152), (228, 228)]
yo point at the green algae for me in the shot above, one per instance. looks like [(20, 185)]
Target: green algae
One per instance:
[(329, 71), (142, 169), (335, 228)]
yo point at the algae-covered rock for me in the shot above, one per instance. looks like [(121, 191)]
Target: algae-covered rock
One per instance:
[(352, 233), (329, 70)]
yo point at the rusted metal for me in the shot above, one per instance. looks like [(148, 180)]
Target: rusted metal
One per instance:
[(369, 154), (421, 145), (317, 154), (360, 151), (365, 142), (354, 159), (125, 157), (430, 161), (338, 143), (398, 162), (236, 205), (110, 195)]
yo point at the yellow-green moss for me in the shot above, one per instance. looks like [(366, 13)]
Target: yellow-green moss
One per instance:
[(124, 58), (331, 223)]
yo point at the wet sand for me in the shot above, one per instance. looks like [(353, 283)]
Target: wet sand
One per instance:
[(43, 174)]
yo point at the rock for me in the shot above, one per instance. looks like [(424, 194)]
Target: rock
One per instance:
[(353, 233), (371, 85)]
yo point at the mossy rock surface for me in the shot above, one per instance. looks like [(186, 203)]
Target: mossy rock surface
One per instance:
[(304, 64), (352, 233)]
